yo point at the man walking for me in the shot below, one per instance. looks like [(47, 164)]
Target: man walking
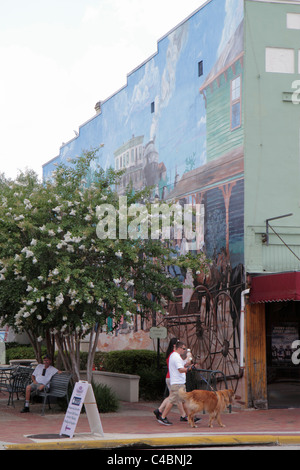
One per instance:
[(178, 369)]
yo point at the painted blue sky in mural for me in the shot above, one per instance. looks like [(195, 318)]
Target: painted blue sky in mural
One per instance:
[(169, 80)]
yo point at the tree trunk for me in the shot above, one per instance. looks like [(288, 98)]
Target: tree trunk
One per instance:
[(69, 349), (65, 355), (94, 336), (50, 341), (36, 346)]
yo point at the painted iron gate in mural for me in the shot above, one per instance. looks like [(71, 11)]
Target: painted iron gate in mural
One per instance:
[(209, 325), (207, 316)]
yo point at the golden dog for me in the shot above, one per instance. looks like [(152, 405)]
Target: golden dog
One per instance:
[(211, 402)]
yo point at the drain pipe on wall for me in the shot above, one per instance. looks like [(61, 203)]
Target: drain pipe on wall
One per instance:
[(242, 328)]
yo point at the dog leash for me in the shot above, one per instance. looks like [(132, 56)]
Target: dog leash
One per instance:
[(194, 368)]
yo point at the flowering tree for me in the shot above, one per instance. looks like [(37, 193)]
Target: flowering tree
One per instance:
[(59, 281)]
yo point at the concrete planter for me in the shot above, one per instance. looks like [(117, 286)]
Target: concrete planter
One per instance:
[(125, 386)]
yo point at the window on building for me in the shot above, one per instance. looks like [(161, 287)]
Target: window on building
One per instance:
[(293, 21), (200, 68), (152, 107), (280, 60), (236, 103)]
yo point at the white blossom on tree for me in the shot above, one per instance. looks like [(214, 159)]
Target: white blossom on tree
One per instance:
[(59, 282)]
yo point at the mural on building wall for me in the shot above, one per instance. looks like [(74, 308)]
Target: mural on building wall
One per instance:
[(178, 126)]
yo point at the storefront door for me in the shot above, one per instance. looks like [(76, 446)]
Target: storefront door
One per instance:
[(283, 370)]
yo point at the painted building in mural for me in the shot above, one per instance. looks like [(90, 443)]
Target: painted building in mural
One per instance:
[(211, 119), (161, 127)]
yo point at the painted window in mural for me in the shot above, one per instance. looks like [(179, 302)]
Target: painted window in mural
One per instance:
[(200, 68), (236, 103)]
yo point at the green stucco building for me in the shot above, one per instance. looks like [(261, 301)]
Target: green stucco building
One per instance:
[(272, 198)]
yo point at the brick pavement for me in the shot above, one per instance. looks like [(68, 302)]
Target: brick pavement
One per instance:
[(136, 421)]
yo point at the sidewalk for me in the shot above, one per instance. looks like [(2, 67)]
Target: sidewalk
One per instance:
[(135, 424)]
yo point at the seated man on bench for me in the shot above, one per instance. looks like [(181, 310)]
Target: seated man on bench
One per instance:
[(41, 376)]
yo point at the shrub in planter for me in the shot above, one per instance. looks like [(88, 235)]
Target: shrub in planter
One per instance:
[(152, 383), (107, 401), (142, 363), (99, 360), (21, 352), (128, 362)]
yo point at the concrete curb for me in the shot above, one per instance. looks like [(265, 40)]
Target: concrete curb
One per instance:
[(154, 442)]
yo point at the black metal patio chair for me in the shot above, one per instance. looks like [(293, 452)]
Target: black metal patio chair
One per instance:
[(18, 383)]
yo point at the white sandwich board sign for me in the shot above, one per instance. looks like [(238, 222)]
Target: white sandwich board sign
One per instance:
[(82, 395)]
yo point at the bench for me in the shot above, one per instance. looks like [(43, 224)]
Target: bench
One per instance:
[(57, 387)]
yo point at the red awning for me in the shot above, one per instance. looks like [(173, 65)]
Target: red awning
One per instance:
[(275, 288)]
